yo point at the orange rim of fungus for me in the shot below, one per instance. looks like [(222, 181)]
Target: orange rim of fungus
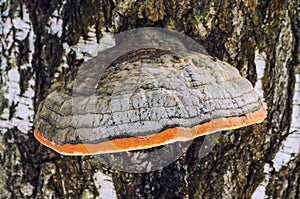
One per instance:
[(164, 137)]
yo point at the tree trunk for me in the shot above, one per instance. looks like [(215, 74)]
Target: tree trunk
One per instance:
[(41, 39)]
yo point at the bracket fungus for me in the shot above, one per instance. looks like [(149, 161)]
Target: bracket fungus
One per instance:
[(147, 91)]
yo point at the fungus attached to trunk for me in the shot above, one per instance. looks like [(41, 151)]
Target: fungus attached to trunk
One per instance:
[(153, 94)]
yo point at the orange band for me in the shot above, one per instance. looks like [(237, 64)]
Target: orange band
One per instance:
[(164, 137)]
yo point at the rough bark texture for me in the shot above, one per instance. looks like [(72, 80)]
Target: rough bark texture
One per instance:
[(233, 31)]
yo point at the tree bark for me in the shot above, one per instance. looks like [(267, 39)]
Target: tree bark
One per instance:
[(40, 41)]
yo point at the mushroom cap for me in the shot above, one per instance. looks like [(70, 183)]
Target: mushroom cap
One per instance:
[(146, 98)]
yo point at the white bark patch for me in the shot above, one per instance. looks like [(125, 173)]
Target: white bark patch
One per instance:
[(24, 112), (105, 186), (27, 189), (90, 47), (25, 109), (291, 145), (86, 49), (260, 191), (202, 30), (228, 187), (55, 22), (289, 148), (22, 27), (11, 92), (260, 63), (15, 32)]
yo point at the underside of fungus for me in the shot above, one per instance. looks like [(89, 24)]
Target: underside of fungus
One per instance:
[(142, 95)]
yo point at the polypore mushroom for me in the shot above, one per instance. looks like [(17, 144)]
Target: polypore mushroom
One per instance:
[(150, 96)]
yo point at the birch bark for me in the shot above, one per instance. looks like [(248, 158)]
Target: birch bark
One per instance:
[(40, 40)]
